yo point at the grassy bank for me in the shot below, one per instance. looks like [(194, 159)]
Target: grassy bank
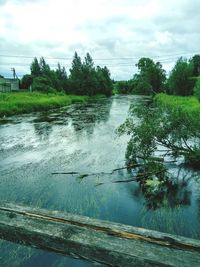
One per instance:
[(189, 104), (26, 102)]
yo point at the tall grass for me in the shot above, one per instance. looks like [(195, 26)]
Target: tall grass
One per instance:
[(25, 102), (187, 104)]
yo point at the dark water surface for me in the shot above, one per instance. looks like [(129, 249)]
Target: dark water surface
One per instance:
[(81, 138)]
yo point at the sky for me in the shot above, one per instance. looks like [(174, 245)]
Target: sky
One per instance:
[(117, 33)]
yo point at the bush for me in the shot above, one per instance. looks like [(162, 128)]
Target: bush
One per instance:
[(197, 89), (42, 84)]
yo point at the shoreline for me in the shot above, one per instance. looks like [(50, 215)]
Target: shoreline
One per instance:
[(28, 102)]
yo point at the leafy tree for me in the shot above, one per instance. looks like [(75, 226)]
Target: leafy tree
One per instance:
[(43, 84), (89, 78), (104, 82), (152, 73), (88, 62), (35, 68), (62, 77), (76, 75), (141, 85), (196, 65), (26, 81), (85, 79), (123, 87), (44, 67), (197, 89), (180, 79), (169, 127)]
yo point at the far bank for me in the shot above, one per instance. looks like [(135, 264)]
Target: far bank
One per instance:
[(26, 102)]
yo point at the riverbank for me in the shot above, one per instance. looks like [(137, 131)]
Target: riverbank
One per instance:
[(182, 116), (26, 102), (187, 104)]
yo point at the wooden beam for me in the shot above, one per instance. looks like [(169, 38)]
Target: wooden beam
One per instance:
[(94, 240)]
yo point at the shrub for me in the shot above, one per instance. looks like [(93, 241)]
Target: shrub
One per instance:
[(197, 89)]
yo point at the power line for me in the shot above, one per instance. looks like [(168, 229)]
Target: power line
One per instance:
[(120, 58)]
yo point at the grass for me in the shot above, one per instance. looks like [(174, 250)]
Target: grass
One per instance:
[(26, 102), (187, 104)]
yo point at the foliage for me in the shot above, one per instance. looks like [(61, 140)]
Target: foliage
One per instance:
[(195, 61), (180, 79), (151, 76), (26, 81), (124, 87), (17, 103), (35, 68), (187, 104), (172, 127), (197, 89), (84, 78), (42, 84)]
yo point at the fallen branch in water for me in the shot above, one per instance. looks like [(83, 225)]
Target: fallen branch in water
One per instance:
[(134, 178), (107, 173)]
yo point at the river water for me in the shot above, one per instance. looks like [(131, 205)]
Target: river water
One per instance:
[(82, 138)]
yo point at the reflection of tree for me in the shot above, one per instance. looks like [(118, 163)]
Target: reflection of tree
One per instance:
[(86, 116), (162, 189), (43, 130)]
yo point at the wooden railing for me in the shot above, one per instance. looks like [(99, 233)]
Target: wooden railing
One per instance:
[(94, 240)]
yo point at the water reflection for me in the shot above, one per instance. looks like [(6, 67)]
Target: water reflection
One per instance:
[(82, 138), (85, 117), (164, 189), (79, 117), (43, 130)]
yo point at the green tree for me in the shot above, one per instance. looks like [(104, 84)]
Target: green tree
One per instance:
[(153, 74), (197, 89), (26, 81), (170, 127), (42, 84), (44, 67), (89, 77), (62, 77), (76, 74), (35, 68), (196, 65), (104, 82), (180, 79)]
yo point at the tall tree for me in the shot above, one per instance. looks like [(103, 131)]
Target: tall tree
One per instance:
[(62, 77), (35, 68), (45, 68), (89, 77), (180, 79), (104, 82), (76, 74), (196, 65), (152, 73)]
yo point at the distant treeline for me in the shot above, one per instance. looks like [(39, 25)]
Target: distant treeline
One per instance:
[(84, 78), (151, 78)]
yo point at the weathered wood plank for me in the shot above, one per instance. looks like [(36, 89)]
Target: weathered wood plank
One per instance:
[(94, 240)]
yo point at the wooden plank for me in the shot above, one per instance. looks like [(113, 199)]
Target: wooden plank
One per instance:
[(94, 240)]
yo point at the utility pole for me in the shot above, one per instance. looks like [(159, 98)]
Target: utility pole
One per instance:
[(14, 73)]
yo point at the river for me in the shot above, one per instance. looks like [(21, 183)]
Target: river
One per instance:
[(82, 138)]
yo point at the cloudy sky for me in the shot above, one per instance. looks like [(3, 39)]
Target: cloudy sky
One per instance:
[(116, 32)]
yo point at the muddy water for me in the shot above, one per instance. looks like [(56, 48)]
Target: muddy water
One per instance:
[(81, 138)]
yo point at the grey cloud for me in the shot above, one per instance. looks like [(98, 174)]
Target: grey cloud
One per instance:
[(105, 38)]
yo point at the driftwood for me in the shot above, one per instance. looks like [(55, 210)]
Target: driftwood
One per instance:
[(132, 166), (94, 240)]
